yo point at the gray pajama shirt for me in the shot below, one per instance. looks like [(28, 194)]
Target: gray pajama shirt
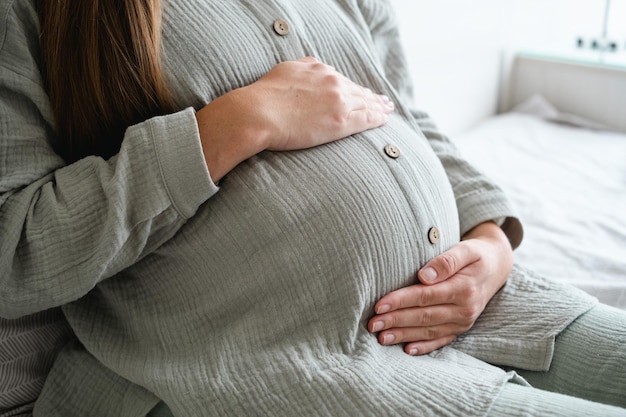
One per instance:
[(250, 298)]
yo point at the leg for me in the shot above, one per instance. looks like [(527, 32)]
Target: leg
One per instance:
[(518, 400), (589, 359)]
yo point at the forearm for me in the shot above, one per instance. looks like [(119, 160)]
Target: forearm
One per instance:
[(68, 230), (227, 137)]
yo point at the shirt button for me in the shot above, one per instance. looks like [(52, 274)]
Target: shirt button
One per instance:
[(392, 151), (281, 27), (434, 235)]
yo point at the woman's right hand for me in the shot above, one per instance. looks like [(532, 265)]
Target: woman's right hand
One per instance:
[(296, 105)]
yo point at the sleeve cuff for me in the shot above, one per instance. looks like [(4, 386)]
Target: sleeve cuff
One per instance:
[(181, 161), (481, 207)]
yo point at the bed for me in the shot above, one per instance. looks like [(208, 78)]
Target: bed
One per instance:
[(566, 177)]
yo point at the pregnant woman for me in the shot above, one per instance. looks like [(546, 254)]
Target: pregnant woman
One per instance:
[(239, 214)]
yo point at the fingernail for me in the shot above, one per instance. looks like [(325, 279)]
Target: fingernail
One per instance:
[(383, 309), (429, 274), (378, 326), (413, 351), (388, 339)]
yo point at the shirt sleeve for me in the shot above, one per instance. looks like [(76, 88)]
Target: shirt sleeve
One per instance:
[(64, 227), (478, 198)]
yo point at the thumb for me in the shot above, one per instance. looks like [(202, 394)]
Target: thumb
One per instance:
[(446, 265)]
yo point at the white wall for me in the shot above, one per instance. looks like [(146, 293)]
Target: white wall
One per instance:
[(553, 24), (453, 48), (460, 51), (617, 22)]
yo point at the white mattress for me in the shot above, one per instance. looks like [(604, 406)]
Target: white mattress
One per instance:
[(568, 185)]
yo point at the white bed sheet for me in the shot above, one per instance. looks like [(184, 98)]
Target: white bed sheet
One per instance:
[(568, 186)]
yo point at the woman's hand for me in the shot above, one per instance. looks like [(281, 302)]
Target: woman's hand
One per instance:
[(458, 284), (308, 103), (298, 104)]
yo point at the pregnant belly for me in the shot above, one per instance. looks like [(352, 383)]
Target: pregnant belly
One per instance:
[(303, 232), (286, 261)]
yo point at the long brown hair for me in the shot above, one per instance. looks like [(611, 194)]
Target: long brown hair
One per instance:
[(101, 64)]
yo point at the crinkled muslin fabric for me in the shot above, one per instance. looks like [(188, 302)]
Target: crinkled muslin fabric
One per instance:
[(252, 298)]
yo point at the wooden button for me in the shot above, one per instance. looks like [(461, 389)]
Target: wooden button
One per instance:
[(434, 235), (281, 27), (392, 151)]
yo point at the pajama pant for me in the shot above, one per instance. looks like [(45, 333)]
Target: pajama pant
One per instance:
[(587, 372)]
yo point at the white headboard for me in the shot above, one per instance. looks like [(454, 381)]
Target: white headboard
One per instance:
[(594, 90)]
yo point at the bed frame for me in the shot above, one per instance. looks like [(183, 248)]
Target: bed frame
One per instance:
[(560, 156), (593, 88)]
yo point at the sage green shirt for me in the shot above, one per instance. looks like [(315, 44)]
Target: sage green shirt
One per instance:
[(251, 298)]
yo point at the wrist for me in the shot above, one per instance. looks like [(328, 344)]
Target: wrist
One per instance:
[(488, 230), (247, 115), (492, 233), (228, 136)]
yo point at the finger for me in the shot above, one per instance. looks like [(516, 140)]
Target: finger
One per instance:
[(367, 101), (319, 67), (446, 265), (364, 119), (309, 59), (416, 296), (366, 93), (414, 317), (383, 103), (368, 112), (418, 334), (380, 100), (422, 348)]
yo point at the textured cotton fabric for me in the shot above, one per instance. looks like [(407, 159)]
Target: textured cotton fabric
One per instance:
[(517, 400), (589, 360), (251, 299), (28, 347)]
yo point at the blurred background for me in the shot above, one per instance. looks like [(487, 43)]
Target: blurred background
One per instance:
[(461, 52)]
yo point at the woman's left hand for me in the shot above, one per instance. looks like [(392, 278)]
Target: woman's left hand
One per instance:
[(458, 284)]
